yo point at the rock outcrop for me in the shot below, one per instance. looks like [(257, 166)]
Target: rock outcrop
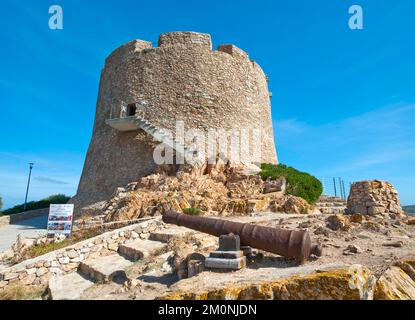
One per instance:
[(351, 283), (397, 283), (220, 190)]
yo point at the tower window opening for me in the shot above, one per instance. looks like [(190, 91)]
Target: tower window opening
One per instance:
[(131, 109)]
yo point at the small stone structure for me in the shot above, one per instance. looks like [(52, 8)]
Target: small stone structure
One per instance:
[(145, 90), (373, 197), (229, 254)]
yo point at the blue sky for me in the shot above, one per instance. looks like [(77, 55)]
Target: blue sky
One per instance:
[(343, 100)]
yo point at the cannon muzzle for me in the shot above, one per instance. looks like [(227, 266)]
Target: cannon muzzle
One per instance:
[(288, 243)]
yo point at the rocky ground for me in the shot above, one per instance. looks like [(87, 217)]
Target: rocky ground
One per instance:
[(376, 242), (364, 256)]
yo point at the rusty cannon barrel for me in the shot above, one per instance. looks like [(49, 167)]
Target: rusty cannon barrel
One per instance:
[(288, 243)]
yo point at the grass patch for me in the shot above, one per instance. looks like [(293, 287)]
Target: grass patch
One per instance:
[(77, 236), (20, 292), (300, 184), (192, 211)]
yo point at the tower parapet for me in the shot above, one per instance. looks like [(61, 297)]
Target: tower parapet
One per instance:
[(127, 50), (185, 38)]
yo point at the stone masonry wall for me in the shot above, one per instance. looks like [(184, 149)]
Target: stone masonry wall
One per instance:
[(37, 271), (15, 217), (373, 197), (181, 79)]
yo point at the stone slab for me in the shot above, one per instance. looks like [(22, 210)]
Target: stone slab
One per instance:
[(226, 254), (105, 269), (68, 287), (140, 249), (169, 233), (231, 264)]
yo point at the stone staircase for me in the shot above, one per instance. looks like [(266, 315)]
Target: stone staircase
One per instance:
[(331, 205), (161, 136), (111, 268)]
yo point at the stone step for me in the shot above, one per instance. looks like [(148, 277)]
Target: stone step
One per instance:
[(140, 249), (330, 199), (68, 287), (327, 210), (330, 204), (105, 269), (171, 232)]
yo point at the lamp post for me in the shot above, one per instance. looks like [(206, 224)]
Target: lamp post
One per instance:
[(28, 183)]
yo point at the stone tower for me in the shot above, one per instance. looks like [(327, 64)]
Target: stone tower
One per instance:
[(144, 90)]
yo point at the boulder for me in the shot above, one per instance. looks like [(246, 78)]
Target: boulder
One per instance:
[(338, 222), (277, 185), (352, 249), (395, 284), (356, 218)]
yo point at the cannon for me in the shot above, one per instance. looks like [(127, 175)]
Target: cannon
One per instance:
[(294, 244)]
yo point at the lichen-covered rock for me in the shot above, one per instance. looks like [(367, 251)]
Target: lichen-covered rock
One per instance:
[(408, 266), (353, 283), (338, 222), (356, 218), (290, 204), (395, 284)]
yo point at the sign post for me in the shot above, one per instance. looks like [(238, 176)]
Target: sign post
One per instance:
[(60, 219)]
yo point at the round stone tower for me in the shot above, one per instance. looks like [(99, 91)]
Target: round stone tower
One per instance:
[(144, 90)]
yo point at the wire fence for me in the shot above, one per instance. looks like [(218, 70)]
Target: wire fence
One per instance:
[(336, 186)]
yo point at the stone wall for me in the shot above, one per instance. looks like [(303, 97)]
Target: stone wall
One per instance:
[(373, 197), (37, 271), (16, 217), (181, 79)]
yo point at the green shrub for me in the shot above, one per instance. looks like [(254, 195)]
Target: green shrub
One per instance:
[(300, 184), (192, 211), (1, 204), (44, 203)]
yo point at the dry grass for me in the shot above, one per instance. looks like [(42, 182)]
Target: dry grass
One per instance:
[(20, 292), (77, 236)]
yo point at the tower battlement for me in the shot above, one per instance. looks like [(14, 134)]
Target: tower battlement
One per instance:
[(184, 38)]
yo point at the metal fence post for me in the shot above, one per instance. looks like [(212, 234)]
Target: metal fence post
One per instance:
[(344, 191), (334, 183)]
